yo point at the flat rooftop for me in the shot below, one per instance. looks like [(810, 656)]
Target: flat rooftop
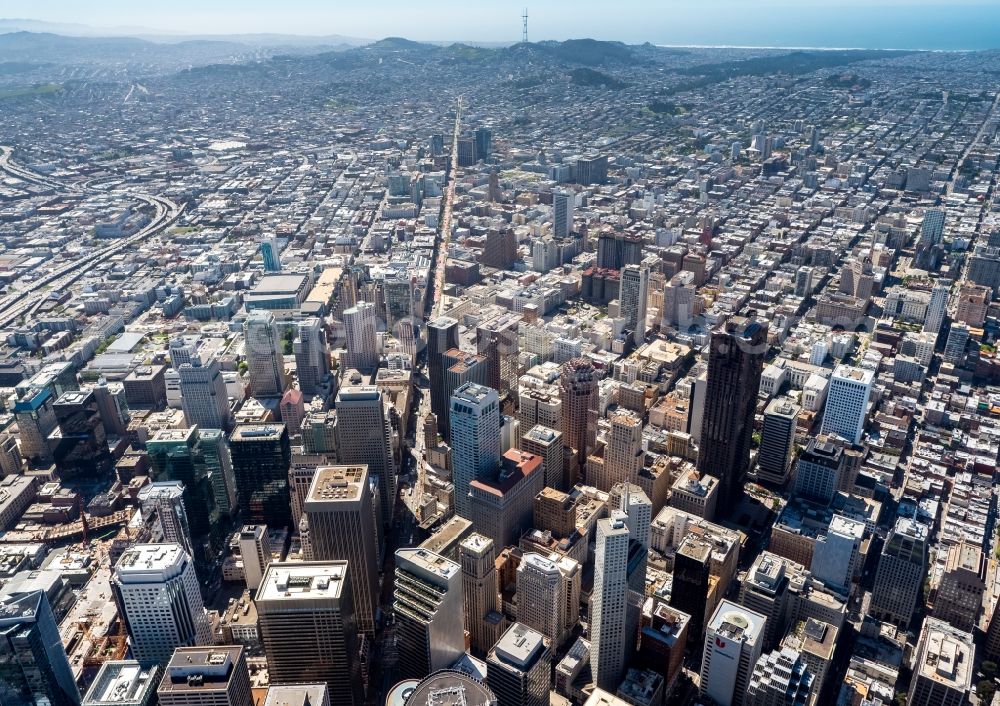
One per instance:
[(310, 580), (519, 646)]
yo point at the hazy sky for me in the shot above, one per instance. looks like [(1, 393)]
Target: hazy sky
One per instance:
[(882, 23)]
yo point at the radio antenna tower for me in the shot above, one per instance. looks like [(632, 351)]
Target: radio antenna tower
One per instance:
[(524, 32)]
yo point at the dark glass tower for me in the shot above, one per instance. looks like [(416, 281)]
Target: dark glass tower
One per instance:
[(261, 458), (442, 335), (735, 360)]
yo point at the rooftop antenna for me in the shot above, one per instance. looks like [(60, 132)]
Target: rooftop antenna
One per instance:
[(524, 33)]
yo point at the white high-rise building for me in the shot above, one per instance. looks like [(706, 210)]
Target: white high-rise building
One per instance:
[(255, 549), (936, 308), (562, 206), (638, 509), (266, 366), (779, 678), (360, 326), (541, 597), (159, 594), (364, 438), (475, 439), (733, 641), (165, 501), (847, 402), (633, 295), (608, 606), (312, 361), (203, 394), (837, 553)]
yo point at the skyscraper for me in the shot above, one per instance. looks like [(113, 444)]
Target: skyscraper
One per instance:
[(780, 678), (497, 341), (937, 307), (34, 668), (733, 643), (483, 619), (206, 676), (484, 143), (427, 603), (265, 362), (363, 438), (547, 443), (158, 593), (475, 439), (847, 402), (261, 457), (270, 254), (633, 295), (608, 633), (312, 362), (360, 326), (735, 361), (518, 667), (541, 597), (255, 549), (943, 667), (633, 501), (203, 394), (307, 626), (623, 452), (959, 598), (578, 387), (932, 227), (692, 571), (342, 515), (777, 442), (900, 575), (818, 471), (562, 207), (165, 501), (442, 335)]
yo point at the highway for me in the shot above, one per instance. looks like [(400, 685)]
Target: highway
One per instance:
[(25, 302)]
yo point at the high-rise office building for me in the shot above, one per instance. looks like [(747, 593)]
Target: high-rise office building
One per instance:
[(973, 303), (213, 454), (342, 526), (475, 439), (312, 361), (736, 358), (307, 626), (174, 455), (34, 668), (562, 207), (937, 307), (633, 296), (497, 342), (35, 421), (297, 695), (578, 390), (777, 441), (680, 304), (270, 254), (518, 667), (206, 676), (397, 295), (932, 227), (691, 574), (265, 361), (633, 501), (160, 598), (609, 639), (943, 666), (836, 555), (622, 453), (123, 683), (80, 442), (547, 443), (164, 500), (500, 249), (818, 471), (442, 336), (255, 549), (484, 142), (780, 678), (764, 590), (261, 457), (480, 587), (900, 575), (954, 347), (733, 642), (959, 597), (847, 402), (427, 603), (363, 438), (203, 394), (542, 597), (360, 326)]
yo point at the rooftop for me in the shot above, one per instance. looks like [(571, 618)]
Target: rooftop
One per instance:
[(310, 580)]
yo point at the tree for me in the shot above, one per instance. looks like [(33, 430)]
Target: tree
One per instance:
[(989, 669), (985, 690)]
